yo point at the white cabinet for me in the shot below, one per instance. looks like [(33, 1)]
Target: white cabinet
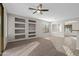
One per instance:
[(77, 41), (75, 26)]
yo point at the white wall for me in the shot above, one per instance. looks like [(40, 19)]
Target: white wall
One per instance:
[(10, 29), (39, 27)]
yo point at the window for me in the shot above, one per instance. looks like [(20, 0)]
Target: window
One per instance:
[(56, 28)]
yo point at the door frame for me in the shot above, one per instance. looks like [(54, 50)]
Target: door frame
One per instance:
[(2, 28)]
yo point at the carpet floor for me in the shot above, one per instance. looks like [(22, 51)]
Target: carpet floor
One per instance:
[(32, 47)]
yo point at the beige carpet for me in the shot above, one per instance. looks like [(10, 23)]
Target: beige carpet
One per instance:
[(32, 47)]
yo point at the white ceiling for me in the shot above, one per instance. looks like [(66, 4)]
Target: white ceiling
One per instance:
[(57, 11)]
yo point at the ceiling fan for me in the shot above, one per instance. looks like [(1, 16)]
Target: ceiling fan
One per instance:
[(39, 9)]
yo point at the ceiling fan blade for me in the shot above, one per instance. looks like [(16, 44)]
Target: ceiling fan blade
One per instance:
[(32, 8), (34, 12), (44, 10)]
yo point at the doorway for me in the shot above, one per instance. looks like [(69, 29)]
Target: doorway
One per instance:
[(1, 28)]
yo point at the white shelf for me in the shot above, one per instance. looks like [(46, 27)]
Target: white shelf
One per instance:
[(20, 22), (32, 31), (20, 34), (19, 28), (32, 23), (33, 34)]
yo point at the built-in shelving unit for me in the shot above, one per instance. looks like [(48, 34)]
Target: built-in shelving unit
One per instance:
[(32, 28), (19, 28)]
